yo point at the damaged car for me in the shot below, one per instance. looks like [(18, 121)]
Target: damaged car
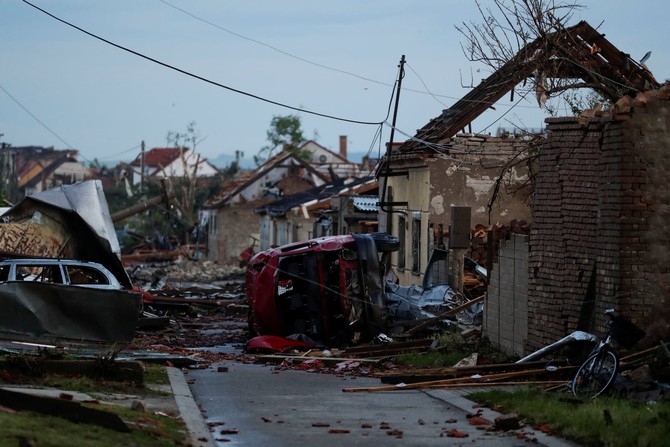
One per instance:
[(328, 289), (65, 302), (44, 299), (339, 290)]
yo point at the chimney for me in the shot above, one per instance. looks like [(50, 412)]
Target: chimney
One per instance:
[(343, 146)]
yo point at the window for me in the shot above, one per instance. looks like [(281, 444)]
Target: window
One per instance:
[(85, 275), (401, 238), (416, 242), (39, 273)]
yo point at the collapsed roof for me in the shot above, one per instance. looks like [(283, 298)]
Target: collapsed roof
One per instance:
[(577, 52)]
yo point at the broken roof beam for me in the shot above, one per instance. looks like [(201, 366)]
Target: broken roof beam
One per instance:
[(588, 55)]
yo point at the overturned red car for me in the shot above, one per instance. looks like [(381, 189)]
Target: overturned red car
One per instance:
[(329, 289)]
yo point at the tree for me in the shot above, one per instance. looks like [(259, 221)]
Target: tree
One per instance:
[(509, 27), (535, 34), (532, 38), (285, 133)]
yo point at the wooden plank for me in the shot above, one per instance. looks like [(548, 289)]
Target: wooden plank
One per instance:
[(458, 371), (472, 380), (464, 385), (278, 358)]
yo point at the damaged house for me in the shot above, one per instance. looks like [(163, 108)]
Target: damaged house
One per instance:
[(232, 226), (590, 244), (233, 229), (340, 206), (31, 169)]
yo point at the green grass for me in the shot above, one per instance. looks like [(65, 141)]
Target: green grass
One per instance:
[(147, 428), (607, 421), (451, 348), (51, 431), (430, 359)]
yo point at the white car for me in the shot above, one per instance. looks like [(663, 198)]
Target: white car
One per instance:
[(59, 271)]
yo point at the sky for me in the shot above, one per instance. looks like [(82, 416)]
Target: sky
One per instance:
[(237, 64)]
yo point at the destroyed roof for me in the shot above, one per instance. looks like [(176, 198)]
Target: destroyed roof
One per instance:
[(314, 195), (238, 184), (578, 52)]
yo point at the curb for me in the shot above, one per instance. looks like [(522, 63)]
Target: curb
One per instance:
[(456, 398), (198, 431)]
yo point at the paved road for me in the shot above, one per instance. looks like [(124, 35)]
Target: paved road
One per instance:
[(295, 408)]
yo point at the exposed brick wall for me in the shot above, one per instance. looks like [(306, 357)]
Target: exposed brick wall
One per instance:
[(601, 212)]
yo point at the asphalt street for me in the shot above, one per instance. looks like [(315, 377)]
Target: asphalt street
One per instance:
[(258, 405)]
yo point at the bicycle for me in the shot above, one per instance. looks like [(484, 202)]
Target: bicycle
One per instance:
[(600, 368)]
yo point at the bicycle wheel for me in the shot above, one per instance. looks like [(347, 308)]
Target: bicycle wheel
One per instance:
[(596, 374)]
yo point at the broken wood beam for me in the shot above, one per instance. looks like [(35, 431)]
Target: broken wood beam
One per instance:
[(417, 375), (388, 348), (461, 385), (277, 358), (480, 379)]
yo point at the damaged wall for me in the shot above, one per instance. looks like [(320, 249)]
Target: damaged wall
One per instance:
[(506, 312), (465, 175), (234, 225), (600, 234)]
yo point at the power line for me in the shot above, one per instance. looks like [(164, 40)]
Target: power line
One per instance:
[(36, 119), (122, 152), (279, 50), (200, 78), (316, 64)]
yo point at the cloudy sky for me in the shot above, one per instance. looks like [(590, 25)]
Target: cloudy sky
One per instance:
[(236, 63)]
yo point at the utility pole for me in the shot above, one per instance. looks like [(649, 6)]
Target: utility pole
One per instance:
[(385, 206), (142, 169)]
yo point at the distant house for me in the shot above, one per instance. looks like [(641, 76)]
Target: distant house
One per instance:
[(162, 162), (333, 164), (232, 225), (32, 169)]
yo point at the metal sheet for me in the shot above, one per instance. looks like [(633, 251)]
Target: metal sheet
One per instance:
[(54, 313), (87, 199)]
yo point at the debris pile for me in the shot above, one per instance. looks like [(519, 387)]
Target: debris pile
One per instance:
[(183, 270)]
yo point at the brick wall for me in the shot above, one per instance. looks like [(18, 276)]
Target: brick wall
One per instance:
[(600, 233)]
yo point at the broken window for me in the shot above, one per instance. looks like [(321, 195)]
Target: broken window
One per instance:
[(39, 273), (85, 275)]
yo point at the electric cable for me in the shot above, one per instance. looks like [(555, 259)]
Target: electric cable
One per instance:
[(316, 64), (201, 78), (25, 109)]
